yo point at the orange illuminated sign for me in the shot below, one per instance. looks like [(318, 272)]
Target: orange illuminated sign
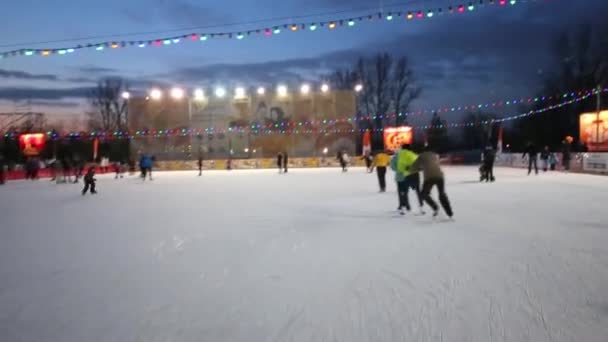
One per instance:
[(32, 144), (394, 137)]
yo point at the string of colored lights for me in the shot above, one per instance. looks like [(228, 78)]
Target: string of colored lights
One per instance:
[(281, 129), (268, 31)]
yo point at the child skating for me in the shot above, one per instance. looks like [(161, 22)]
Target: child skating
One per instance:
[(89, 181)]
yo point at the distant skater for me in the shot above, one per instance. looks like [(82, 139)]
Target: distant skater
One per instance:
[(89, 181), (532, 153), (145, 163), (380, 162), (200, 166), (285, 161), (428, 163), (566, 155), (118, 169), (342, 160), (368, 162), (280, 162), (544, 157), (487, 171)]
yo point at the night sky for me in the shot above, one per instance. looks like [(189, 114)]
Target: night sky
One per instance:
[(491, 54)]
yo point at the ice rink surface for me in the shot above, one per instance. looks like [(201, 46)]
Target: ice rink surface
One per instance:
[(314, 255)]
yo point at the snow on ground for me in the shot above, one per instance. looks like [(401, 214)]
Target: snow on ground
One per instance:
[(314, 255)]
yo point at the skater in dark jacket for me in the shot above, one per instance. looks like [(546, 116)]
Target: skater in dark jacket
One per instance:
[(89, 181), (566, 154), (428, 163), (200, 166), (2, 176), (285, 161), (532, 153), (544, 156), (342, 159), (280, 161), (488, 164)]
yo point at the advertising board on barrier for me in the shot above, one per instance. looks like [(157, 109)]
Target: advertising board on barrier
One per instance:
[(595, 162)]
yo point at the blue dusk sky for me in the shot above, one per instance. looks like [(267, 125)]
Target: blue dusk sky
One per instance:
[(489, 54)]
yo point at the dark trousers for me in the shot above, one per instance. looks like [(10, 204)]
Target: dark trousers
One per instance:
[(146, 171), (545, 164), (285, 167), (488, 171), (532, 160), (381, 171), (2, 177), (566, 164), (88, 185), (443, 197), (343, 164), (410, 182), (368, 163)]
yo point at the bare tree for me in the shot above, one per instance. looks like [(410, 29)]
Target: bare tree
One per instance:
[(109, 108), (580, 63), (402, 90), (388, 88)]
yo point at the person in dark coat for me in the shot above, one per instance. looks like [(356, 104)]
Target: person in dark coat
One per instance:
[(200, 166), (280, 161), (566, 154), (488, 164), (367, 157), (285, 162), (342, 159), (428, 163), (89, 181), (2, 172), (532, 153), (78, 167), (544, 157)]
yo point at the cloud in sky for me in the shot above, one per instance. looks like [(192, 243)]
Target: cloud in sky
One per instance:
[(25, 93), (23, 75), (178, 13)]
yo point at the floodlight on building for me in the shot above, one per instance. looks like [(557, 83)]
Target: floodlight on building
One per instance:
[(282, 90), (156, 94), (305, 89), (199, 94), (239, 93), (325, 88), (177, 93), (261, 91), (125, 95), (220, 92), (359, 88)]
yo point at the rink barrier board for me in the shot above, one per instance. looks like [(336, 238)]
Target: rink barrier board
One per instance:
[(581, 162)]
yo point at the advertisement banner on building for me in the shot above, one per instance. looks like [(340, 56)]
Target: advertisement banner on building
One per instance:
[(394, 137), (594, 131)]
